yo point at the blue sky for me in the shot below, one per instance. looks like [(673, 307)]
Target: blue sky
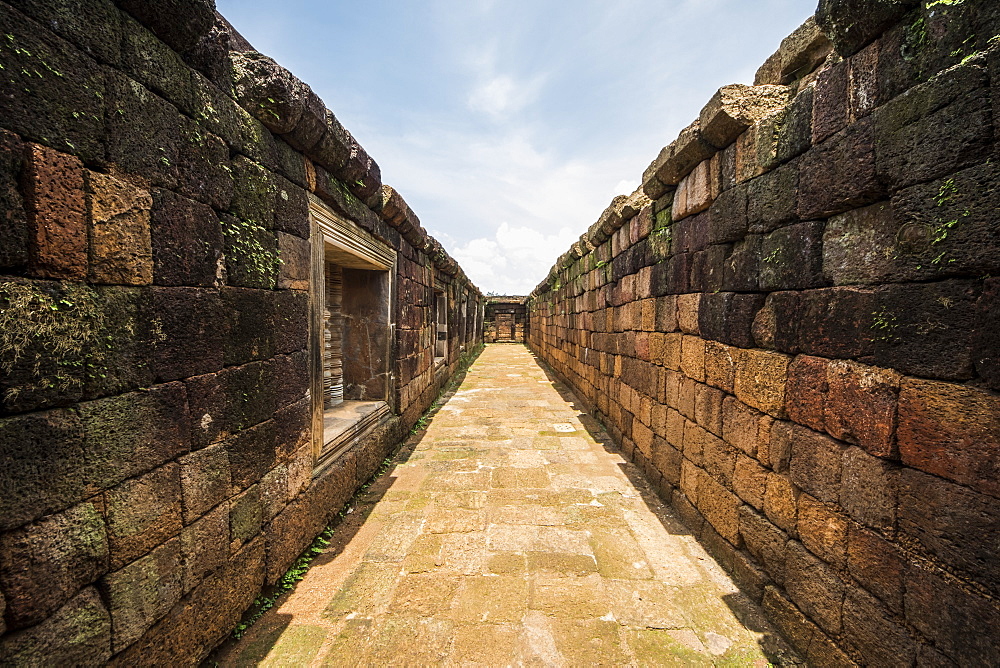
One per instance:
[(508, 125)]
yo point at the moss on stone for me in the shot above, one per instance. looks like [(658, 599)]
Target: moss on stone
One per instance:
[(46, 332)]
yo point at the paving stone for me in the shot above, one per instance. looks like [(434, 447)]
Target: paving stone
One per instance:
[(485, 644), (542, 548), (493, 600)]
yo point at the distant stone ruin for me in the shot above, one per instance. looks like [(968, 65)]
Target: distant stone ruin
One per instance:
[(506, 319)]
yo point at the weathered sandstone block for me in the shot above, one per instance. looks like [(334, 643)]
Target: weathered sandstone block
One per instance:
[(951, 431), (832, 322), (839, 174), (728, 317), (860, 406), (26, 491), (678, 159), (935, 128), (120, 247), (760, 380), (801, 633), (781, 502), (850, 24), (831, 110), (951, 523), (736, 107), (816, 464), (720, 365), (205, 481), (945, 227), (143, 592), (962, 625), (190, 324), (44, 564), (695, 192), (68, 109), (720, 508), (878, 565), (142, 513), (133, 433), (823, 531), (249, 316), (179, 23), (799, 54), (14, 228), (869, 489), (772, 198), (925, 329), (795, 132), (57, 214), (186, 239), (806, 391), (79, 634), (873, 634), (750, 481), (814, 587), (205, 546), (251, 454)]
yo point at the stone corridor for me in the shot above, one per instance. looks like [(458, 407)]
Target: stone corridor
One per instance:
[(511, 532)]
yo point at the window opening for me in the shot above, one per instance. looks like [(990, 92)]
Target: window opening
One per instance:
[(352, 289), (441, 326)]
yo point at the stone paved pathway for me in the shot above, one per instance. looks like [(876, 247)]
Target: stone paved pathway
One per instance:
[(508, 535)]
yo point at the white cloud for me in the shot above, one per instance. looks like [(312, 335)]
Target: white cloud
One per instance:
[(496, 97), (520, 206), (502, 97), (515, 259)]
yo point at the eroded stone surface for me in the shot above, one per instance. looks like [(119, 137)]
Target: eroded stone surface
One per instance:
[(502, 537)]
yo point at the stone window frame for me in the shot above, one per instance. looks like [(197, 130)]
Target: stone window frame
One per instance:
[(328, 228), (440, 323)]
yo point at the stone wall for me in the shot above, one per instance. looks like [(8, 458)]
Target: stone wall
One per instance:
[(156, 273), (792, 328)]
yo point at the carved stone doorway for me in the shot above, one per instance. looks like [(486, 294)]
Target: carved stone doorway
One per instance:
[(505, 326)]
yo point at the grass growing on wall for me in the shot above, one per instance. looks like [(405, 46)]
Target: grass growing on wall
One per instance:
[(38, 326)]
